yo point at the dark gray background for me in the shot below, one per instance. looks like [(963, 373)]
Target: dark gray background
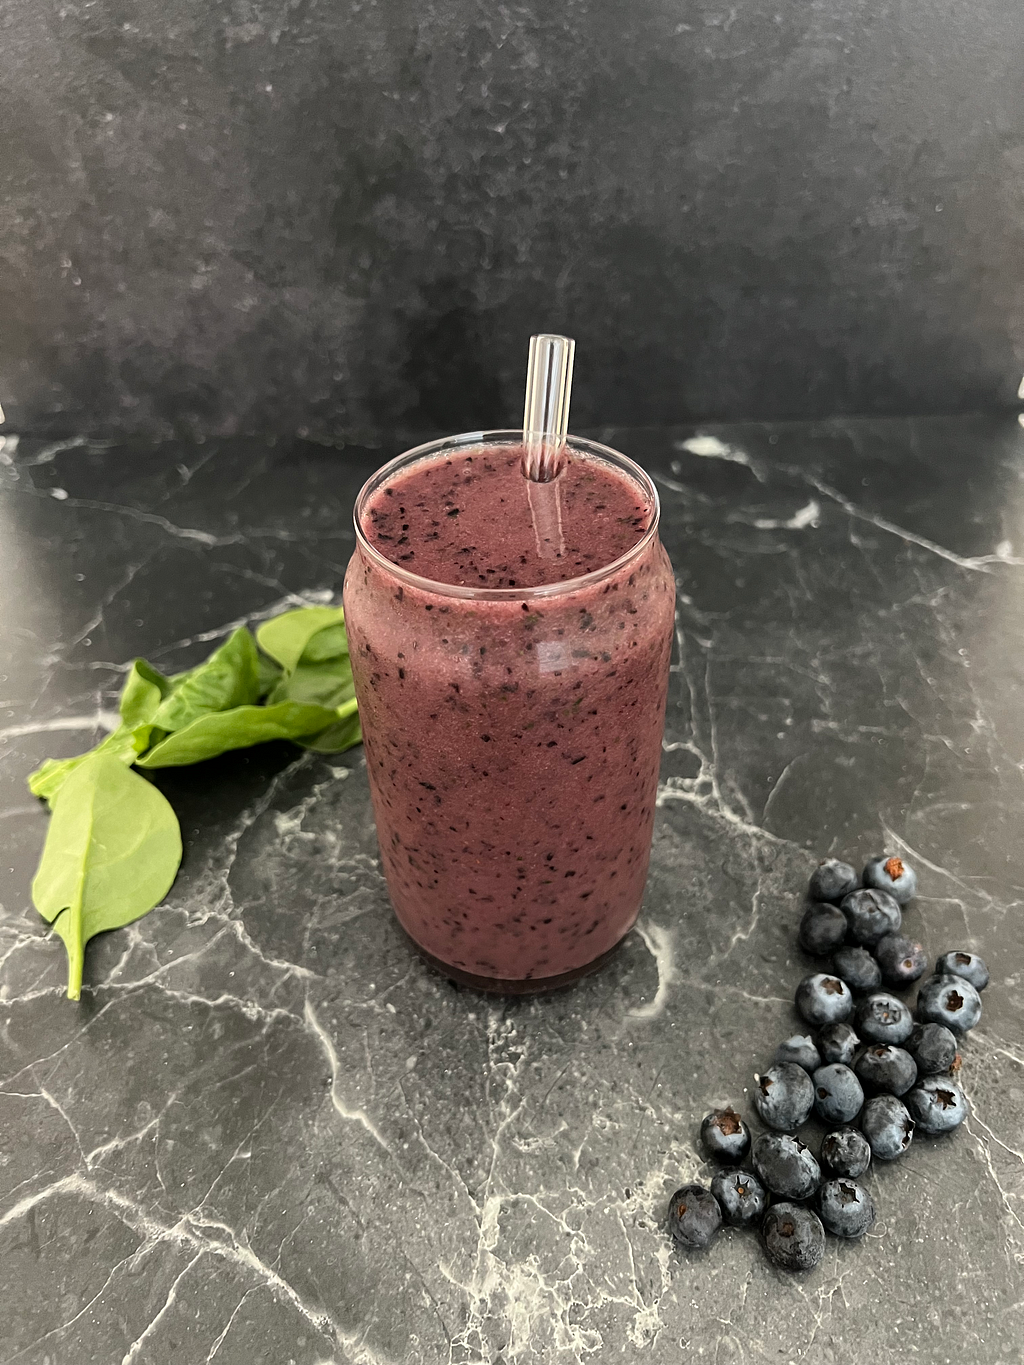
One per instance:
[(307, 215)]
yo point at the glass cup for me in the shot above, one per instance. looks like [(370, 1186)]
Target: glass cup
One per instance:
[(513, 739)]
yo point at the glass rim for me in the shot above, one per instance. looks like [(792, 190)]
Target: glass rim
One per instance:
[(497, 437)]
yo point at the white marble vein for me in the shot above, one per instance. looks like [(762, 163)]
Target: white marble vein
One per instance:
[(97, 720), (976, 563), (714, 448), (660, 943), (341, 1108)]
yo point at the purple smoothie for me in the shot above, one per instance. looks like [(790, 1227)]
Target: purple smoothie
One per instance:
[(512, 739)]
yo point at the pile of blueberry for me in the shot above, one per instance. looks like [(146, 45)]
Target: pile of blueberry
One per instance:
[(868, 1062)]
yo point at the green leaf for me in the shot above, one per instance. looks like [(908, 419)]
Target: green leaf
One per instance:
[(143, 691), (111, 854), (47, 780), (286, 637), (50, 776), (331, 642), (343, 734), (269, 674), (229, 678), (325, 684), (219, 731)]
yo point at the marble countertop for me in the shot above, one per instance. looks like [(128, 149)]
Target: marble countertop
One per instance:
[(269, 1133)]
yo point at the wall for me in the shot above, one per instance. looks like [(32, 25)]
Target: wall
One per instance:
[(303, 214)]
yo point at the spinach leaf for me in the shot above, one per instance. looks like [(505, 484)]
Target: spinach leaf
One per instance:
[(228, 678), (111, 854), (313, 648), (331, 642), (269, 674), (143, 691), (286, 637), (341, 735), (326, 684), (122, 743), (219, 731), (114, 845)]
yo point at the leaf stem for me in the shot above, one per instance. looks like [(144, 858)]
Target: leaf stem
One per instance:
[(76, 946)]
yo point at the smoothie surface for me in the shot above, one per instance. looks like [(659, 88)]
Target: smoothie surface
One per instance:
[(467, 519)]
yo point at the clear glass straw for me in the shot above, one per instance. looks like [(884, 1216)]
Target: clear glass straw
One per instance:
[(545, 423), (546, 417)]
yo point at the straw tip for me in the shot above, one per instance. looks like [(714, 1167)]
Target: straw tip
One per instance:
[(546, 413), (551, 342)]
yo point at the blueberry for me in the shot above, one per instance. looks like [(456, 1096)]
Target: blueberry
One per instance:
[(823, 999), (857, 968), (822, 929), (901, 959), (937, 1105), (838, 1043), (870, 914), (882, 1018), (725, 1135), (832, 880), (784, 1096), (793, 1237), (785, 1165), (968, 965), (888, 1127), (845, 1208), (846, 1152), (799, 1049), (741, 1197), (693, 1216), (838, 1095), (893, 875), (885, 1067), (933, 1048), (949, 1000)]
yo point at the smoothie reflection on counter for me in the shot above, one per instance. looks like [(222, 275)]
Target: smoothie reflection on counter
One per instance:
[(512, 696)]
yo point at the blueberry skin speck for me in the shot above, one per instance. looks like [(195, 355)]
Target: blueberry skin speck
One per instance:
[(949, 1000), (881, 1018), (784, 1096), (937, 1105), (693, 1216), (822, 929), (831, 880), (838, 1043), (741, 1197), (870, 914), (846, 1152), (886, 1068), (785, 1166), (968, 965), (838, 1094), (933, 1048), (901, 959), (886, 873), (801, 1050), (888, 1127), (793, 1237), (824, 999), (857, 968), (845, 1208), (725, 1135)]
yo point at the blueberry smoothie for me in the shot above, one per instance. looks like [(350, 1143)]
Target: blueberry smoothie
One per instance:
[(512, 690)]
